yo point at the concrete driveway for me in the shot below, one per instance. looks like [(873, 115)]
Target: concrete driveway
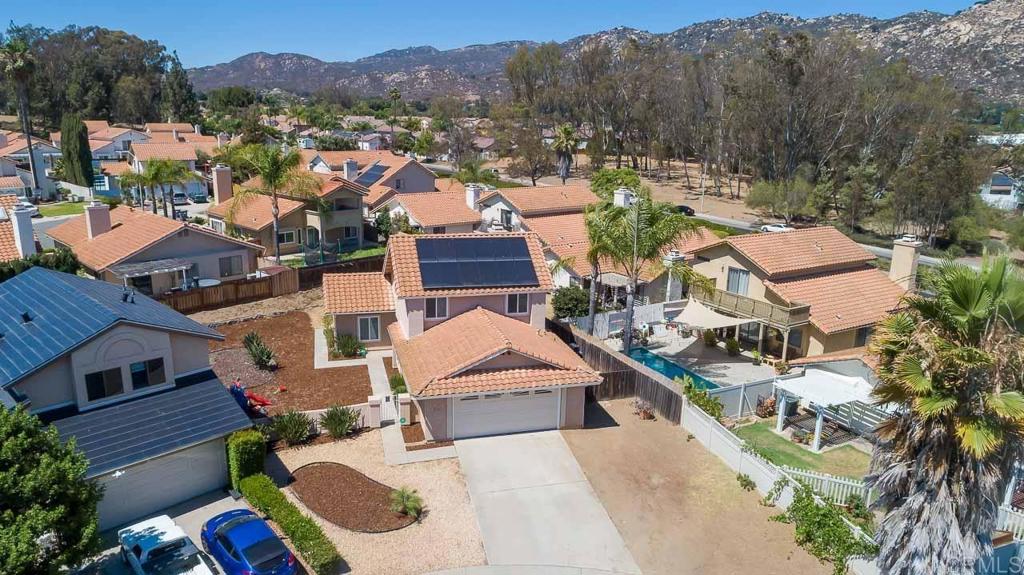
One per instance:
[(535, 506), (190, 515)]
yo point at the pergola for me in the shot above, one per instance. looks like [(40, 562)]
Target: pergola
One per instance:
[(822, 389), (127, 271)]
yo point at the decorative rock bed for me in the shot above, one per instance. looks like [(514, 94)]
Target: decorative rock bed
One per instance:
[(347, 498)]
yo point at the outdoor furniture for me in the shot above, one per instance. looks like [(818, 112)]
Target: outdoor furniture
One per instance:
[(831, 432)]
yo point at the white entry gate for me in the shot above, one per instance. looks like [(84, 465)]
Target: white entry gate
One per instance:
[(389, 408)]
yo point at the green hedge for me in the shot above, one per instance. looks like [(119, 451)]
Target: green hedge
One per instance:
[(307, 537), (246, 451)]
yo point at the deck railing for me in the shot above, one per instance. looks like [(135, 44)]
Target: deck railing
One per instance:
[(775, 315)]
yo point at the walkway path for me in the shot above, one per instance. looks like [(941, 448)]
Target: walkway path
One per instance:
[(321, 355)]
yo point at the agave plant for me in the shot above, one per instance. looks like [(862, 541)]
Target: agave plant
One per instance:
[(953, 366)]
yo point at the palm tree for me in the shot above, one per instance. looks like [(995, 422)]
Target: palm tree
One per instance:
[(597, 220), (146, 182), (953, 367), (564, 146), (280, 174), (18, 64), (167, 174), (637, 239)]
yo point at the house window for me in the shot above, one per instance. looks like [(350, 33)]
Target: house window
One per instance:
[(437, 230), (103, 384), (863, 334), (369, 328), (286, 237), (399, 183), (738, 281), (230, 266), (147, 373), (350, 232), (517, 303), (437, 308), (506, 218), (217, 225)]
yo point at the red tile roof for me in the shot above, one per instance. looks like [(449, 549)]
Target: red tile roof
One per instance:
[(348, 293), (431, 209), (8, 248), (533, 201), (401, 265), (164, 151), (12, 183), (842, 300), (470, 340), (256, 213), (800, 252)]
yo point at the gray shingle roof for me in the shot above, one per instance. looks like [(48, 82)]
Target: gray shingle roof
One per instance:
[(124, 434), (63, 312)]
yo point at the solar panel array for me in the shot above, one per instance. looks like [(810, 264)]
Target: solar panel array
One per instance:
[(371, 175), (475, 262)]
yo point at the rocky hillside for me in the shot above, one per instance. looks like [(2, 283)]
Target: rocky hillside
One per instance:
[(980, 48)]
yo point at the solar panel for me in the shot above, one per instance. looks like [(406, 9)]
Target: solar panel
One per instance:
[(475, 262), (371, 175)]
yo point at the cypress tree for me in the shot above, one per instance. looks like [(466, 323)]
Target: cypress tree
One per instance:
[(74, 148)]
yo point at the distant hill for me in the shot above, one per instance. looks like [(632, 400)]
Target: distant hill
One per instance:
[(980, 48)]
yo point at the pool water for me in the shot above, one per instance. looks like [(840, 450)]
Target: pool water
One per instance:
[(668, 368)]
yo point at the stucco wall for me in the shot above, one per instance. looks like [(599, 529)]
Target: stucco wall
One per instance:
[(50, 387), (203, 249), (819, 343), (434, 418), (117, 348), (573, 404), (491, 211), (190, 353), (722, 258), (460, 305), (414, 179), (349, 324)]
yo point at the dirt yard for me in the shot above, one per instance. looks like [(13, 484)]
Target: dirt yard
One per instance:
[(680, 509), (302, 300), (447, 535), (290, 335)]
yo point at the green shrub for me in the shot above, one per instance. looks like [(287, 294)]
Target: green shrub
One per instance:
[(261, 354), (246, 451), (397, 382), (710, 338), (732, 347), (701, 398), (781, 368), (348, 345), (746, 482), (570, 301), (956, 251), (406, 501), (329, 335), (340, 421), (307, 537), (197, 220), (293, 427)]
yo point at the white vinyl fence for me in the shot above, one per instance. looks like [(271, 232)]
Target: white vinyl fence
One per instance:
[(838, 489), (1011, 520), (608, 322)]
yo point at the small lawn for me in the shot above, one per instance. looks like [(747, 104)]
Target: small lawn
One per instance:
[(364, 253), (845, 461), (61, 209)]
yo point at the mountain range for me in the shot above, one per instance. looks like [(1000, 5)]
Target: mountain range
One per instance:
[(980, 49)]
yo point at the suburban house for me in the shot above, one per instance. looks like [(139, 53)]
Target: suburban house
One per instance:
[(1001, 191), (468, 332), (17, 239), (13, 182), (127, 378), (151, 253), (14, 148), (486, 147), (369, 142), (334, 217), (105, 141), (504, 209), (435, 212), (814, 288), (381, 172), (174, 151)]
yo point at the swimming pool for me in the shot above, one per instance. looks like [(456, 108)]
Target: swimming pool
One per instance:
[(668, 368)]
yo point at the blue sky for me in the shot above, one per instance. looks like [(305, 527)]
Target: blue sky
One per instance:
[(220, 30)]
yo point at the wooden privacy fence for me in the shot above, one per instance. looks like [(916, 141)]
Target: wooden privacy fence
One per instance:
[(313, 276), (232, 292)]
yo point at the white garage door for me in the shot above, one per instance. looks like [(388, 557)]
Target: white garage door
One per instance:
[(162, 482), (495, 414)]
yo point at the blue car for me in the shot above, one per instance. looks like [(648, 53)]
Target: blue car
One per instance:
[(243, 544)]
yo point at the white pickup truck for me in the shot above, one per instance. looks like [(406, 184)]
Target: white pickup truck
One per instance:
[(158, 546)]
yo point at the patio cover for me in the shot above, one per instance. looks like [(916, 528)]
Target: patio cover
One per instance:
[(827, 389), (612, 279), (699, 315), (138, 269)]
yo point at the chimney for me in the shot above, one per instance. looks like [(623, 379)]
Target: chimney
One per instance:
[(24, 240), (198, 129), (351, 169), (174, 134), (623, 197), (472, 195), (3, 140), (97, 219), (903, 267), (222, 189)]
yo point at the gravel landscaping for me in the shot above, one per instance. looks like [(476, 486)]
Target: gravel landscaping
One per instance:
[(363, 504), (447, 536), (295, 384)]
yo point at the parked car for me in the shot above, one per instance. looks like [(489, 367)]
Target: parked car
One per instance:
[(32, 209), (158, 546), (179, 198), (685, 210), (243, 544), (776, 228)]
